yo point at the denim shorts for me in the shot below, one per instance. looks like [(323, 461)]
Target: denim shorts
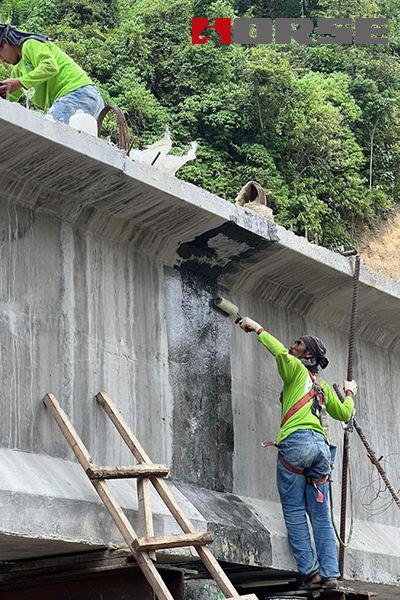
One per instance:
[(87, 98)]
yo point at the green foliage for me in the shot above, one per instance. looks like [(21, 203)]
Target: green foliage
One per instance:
[(317, 126)]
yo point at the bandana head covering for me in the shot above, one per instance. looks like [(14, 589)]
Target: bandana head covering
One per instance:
[(16, 37), (318, 351)]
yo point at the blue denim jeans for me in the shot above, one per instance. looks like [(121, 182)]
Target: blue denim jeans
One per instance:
[(307, 449), (87, 98)]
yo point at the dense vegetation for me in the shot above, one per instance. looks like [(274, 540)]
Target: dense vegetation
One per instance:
[(318, 126)]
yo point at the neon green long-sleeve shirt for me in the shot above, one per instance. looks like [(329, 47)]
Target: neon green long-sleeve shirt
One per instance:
[(48, 70), (296, 384)]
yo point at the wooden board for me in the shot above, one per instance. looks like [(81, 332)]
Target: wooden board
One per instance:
[(173, 541), (340, 593), (129, 472), (145, 512), (248, 597)]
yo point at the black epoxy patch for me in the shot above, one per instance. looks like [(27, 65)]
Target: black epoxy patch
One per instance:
[(200, 376), (218, 250)]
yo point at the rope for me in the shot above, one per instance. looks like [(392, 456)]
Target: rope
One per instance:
[(342, 543)]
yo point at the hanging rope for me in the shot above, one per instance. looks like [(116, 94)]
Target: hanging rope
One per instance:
[(343, 543)]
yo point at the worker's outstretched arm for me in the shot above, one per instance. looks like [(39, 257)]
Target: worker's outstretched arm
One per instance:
[(288, 365), (337, 409), (40, 57)]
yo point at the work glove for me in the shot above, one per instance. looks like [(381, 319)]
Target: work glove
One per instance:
[(249, 325), (350, 386)]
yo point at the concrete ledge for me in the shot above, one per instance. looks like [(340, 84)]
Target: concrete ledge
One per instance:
[(54, 496), (90, 183)]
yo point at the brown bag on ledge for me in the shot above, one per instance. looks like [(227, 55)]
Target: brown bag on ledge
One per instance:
[(252, 196)]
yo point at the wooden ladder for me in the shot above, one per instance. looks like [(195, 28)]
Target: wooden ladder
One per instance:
[(142, 548)]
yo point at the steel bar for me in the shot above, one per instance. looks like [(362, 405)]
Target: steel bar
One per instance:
[(372, 454), (346, 441), (123, 142), (376, 462)]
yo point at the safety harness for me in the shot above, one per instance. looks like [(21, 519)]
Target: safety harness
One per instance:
[(318, 409)]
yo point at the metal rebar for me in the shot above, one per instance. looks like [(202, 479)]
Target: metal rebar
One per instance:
[(356, 279), (371, 453), (346, 440), (376, 462), (123, 141), (344, 543), (153, 162)]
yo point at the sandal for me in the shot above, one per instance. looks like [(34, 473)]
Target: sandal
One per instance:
[(311, 582), (330, 584)]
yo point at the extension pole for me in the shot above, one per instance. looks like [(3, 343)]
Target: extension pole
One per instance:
[(346, 441)]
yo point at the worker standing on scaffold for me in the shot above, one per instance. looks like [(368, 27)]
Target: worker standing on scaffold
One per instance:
[(305, 455)]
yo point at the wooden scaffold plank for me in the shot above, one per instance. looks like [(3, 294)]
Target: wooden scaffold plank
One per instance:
[(145, 511), (129, 472), (173, 541)]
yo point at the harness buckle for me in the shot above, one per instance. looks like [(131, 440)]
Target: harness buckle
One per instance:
[(349, 426)]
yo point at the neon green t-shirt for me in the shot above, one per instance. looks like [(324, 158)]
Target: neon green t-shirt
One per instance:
[(296, 384), (49, 70)]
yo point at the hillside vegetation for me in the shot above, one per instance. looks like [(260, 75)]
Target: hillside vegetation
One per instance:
[(318, 126)]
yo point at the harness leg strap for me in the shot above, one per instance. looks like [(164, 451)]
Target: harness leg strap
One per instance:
[(288, 466), (316, 482)]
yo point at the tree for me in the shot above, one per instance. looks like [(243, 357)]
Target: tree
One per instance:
[(317, 125)]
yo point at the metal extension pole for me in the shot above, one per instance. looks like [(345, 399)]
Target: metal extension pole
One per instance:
[(346, 441)]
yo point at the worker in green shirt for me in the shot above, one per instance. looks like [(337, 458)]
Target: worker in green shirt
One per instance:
[(60, 86), (304, 452)]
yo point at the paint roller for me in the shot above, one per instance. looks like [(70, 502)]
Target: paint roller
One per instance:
[(228, 307)]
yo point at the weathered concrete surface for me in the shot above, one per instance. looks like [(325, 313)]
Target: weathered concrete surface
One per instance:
[(89, 301), (200, 375), (203, 590), (48, 506), (89, 183)]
